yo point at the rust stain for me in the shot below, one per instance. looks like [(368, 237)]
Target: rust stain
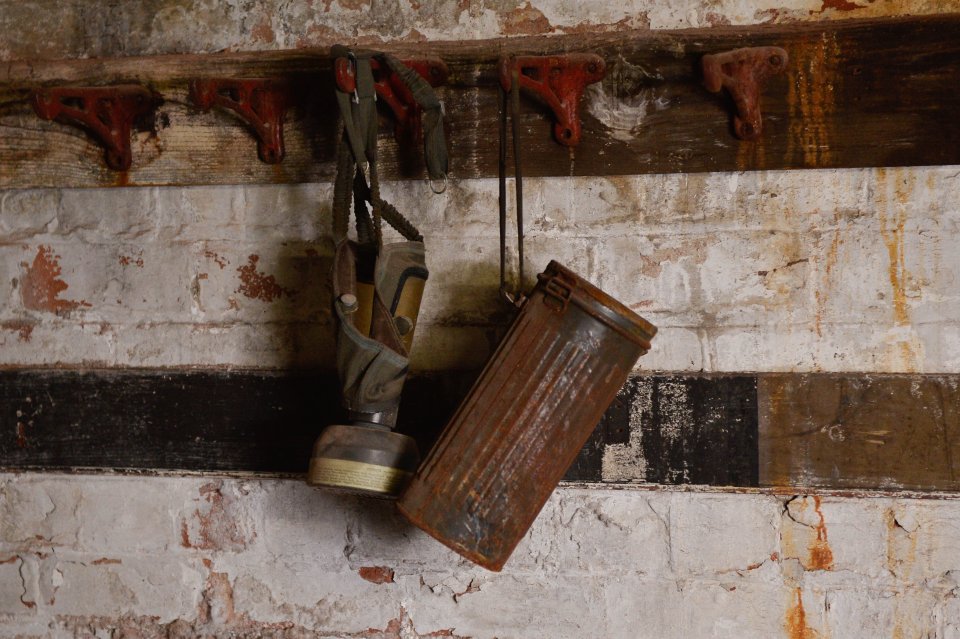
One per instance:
[(41, 285), (833, 254), (807, 541), (524, 20), (839, 5), (812, 98), (220, 261), (779, 473), (127, 260), (22, 328), (796, 620), (104, 561), (893, 232), (257, 285), (377, 574), (821, 556)]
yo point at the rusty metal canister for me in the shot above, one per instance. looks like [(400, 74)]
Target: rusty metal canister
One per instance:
[(533, 407)]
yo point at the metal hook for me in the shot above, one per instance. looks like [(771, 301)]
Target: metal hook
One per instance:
[(443, 184)]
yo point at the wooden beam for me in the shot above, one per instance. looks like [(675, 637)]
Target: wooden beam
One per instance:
[(857, 93), (803, 431)]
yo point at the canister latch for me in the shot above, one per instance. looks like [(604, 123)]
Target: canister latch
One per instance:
[(556, 293)]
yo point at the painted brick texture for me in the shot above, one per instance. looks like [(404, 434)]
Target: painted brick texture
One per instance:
[(852, 270), (212, 556), (772, 271)]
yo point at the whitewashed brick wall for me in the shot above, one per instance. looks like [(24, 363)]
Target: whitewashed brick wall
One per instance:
[(853, 270), (206, 556)]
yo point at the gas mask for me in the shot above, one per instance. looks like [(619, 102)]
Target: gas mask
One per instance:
[(377, 290)]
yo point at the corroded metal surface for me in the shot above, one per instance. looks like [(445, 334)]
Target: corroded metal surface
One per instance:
[(108, 113), (523, 423), (559, 81), (743, 72), (260, 102)]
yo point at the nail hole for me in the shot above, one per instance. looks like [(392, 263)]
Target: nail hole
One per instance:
[(775, 60), (230, 93)]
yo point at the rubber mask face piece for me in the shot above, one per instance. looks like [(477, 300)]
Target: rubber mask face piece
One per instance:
[(377, 303)]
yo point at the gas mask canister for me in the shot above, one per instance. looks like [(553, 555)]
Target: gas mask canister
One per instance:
[(560, 365)]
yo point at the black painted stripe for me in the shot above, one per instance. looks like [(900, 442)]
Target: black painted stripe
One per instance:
[(865, 431), (266, 422)]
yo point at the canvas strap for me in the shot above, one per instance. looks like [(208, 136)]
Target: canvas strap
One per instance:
[(515, 298)]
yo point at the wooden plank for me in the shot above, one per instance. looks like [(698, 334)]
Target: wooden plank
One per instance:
[(866, 431), (856, 93), (831, 432)]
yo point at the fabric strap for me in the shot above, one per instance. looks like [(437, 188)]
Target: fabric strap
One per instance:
[(515, 298)]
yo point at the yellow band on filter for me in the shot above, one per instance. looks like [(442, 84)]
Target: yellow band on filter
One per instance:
[(353, 474)]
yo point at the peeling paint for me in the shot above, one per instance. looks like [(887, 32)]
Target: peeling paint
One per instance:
[(23, 328), (257, 285), (41, 286), (220, 261), (376, 574), (127, 260), (215, 524), (524, 20)]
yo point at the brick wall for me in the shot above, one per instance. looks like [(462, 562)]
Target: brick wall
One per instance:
[(851, 270), (201, 556)]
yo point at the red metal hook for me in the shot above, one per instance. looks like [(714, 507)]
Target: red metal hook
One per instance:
[(108, 113), (558, 80), (262, 103), (742, 72), (391, 89)]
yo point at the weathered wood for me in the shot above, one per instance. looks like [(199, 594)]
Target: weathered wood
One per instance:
[(861, 431), (856, 93), (831, 432)]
